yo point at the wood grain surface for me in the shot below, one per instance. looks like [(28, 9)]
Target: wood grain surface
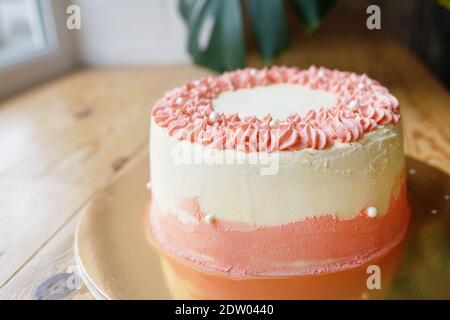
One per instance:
[(63, 142)]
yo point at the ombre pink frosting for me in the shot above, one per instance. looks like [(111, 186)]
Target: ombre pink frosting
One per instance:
[(313, 245), (361, 105)]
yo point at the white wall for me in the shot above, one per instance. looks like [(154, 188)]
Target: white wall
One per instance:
[(130, 32)]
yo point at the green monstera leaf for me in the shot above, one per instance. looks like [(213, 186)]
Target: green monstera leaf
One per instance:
[(268, 20), (216, 32), (216, 38), (311, 12)]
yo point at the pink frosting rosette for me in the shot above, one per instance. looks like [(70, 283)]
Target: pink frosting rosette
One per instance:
[(361, 105)]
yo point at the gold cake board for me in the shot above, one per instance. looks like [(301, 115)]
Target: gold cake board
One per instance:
[(117, 260)]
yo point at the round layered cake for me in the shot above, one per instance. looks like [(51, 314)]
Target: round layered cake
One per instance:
[(278, 172)]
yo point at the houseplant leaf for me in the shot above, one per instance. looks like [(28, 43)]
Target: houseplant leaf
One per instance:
[(311, 12), (186, 7), (221, 21), (268, 20)]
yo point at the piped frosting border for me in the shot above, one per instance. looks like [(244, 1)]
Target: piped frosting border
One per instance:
[(362, 104)]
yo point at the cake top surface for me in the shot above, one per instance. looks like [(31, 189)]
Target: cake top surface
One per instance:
[(276, 109), (279, 100)]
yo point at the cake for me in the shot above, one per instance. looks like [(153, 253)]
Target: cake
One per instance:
[(278, 172)]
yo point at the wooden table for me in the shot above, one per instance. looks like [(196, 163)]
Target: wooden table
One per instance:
[(63, 142)]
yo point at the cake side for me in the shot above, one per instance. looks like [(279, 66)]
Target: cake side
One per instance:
[(340, 180), (308, 246), (310, 217), (316, 191)]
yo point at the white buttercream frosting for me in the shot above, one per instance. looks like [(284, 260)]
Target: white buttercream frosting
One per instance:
[(340, 180), (279, 100)]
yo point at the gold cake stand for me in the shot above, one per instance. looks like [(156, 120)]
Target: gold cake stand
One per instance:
[(117, 260)]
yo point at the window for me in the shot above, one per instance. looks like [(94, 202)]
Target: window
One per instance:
[(22, 31), (34, 42)]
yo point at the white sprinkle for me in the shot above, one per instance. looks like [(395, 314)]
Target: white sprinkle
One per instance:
[(412, 171), (179, 100), (214, 116), (354, 104), (253, 71), (446, 197), (372, 212), (361, 86), (321, 74), (196, 82), (148, 185), (434, 211), (273, 123), (209, 218)]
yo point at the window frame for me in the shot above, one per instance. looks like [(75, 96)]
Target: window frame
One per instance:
[(56, 57)]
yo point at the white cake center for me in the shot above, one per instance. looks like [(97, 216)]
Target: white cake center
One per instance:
[(280, 100)]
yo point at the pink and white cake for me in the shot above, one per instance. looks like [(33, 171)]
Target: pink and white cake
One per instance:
[(278, 172)]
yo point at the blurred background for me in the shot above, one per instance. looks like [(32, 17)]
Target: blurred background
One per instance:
[(37, 44)]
